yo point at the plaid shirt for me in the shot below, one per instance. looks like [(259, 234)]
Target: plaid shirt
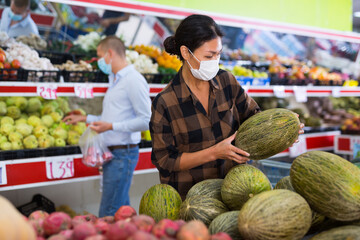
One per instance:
[(179, 123)]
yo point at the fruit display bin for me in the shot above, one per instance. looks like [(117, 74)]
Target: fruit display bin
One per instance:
[(274, 170), (39, 152), (84, 76), (158, 77), (25, 75), (32, 172), (57, 57)]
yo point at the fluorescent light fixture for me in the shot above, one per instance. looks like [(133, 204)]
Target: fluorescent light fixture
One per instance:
[(357, 14)]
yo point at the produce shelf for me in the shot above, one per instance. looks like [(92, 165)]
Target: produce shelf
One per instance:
[(323, 141), (344, 143), (269, 91), (29, 89), (99, 89), (29, 173)]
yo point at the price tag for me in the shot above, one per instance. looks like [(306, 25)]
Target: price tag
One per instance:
[(298, 148), (246, 88), (353, 141), (300, 94), (336, 92), (84, 91), (356, 150), (3, 177), (279, 91), (47, 91), (60, 167)]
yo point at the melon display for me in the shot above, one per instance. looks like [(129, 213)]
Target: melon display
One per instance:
[(329, 183), (226, 222), (339, 233), (241, 183), (204, 209), (207, 188), (161, 201), (317, 218), (279, 214), (268, 133)]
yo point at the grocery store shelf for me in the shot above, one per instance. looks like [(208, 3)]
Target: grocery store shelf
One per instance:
[(19, 175), (344, 143), (323, 141), (29, 173), (270, 91), (99, 89), (29, 89)]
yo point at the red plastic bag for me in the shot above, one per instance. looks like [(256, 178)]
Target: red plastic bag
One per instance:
[(95, 153)]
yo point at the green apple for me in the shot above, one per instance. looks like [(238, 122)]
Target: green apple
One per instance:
[(30, 142)]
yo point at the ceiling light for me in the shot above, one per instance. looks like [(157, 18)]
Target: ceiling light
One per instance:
[(357, 14)]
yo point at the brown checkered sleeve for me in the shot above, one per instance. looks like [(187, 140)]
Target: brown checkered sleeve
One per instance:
[(165, 154)]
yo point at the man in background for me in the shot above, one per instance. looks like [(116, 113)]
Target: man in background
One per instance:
[(16, 20), (126, 112)]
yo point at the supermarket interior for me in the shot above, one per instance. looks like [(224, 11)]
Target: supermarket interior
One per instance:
[(292, 58)]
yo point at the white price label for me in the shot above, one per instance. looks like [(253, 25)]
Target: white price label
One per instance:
[(279, 91), (3, 177), (246, 88), (353, 141), (356, 150), (336, 91), (298, 148), (84, 91), (300, 94), (47, 91), (60, 167)]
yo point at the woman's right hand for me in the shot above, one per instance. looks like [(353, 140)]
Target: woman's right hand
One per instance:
[(225, 150)]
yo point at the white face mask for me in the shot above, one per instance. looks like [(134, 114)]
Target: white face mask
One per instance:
[(207, 70)]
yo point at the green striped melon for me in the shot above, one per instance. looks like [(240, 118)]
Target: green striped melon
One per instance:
[(268, 133), (339, 233), (241, 183), (207, 188), (329, 183), (317, 218), (279, 214), (226, 222), (204, 209), (284, 183), (161, 201)]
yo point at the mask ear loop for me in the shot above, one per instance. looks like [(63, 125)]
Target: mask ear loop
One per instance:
[(194, 57)]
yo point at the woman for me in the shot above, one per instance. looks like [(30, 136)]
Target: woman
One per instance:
[(195, 118)]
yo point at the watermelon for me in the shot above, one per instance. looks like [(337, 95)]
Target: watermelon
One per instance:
[(207, 188), (226, 222), (161, 201), (339, 233), (329, 183), (204, 209), (317, 218), (279, 214), (268, 133), (241, 183)]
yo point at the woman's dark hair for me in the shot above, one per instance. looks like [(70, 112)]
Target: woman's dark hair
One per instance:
[(192, 32)]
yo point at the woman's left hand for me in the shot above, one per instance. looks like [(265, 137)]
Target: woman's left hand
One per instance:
[(101, 126), (301, 131)]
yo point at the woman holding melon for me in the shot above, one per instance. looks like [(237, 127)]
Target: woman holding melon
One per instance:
[(195, 118)]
